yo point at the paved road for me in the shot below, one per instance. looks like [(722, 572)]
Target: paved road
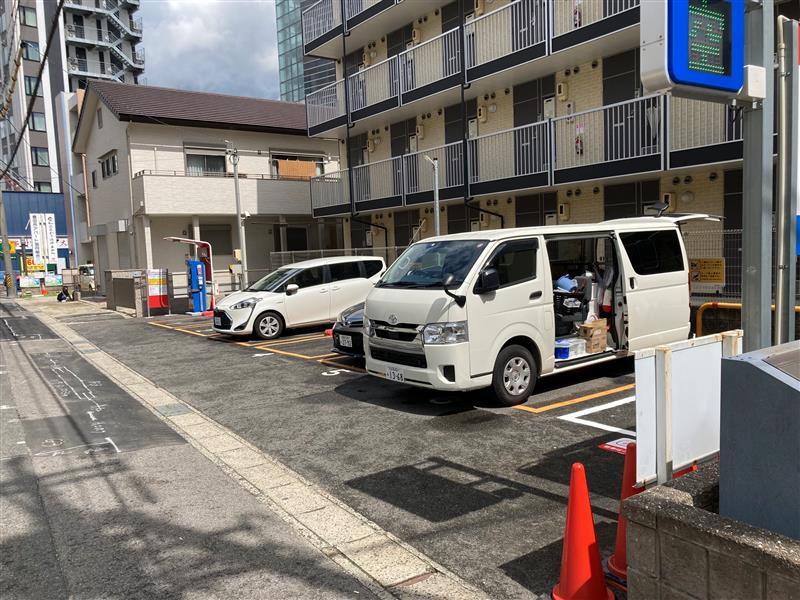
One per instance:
[(480, 489), (102, 499)]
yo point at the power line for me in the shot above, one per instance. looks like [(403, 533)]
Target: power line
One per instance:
[(53, 28)]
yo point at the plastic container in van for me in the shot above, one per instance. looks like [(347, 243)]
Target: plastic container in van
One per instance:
[(562, 349)]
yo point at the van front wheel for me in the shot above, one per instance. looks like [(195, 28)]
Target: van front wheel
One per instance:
[(514, 376)]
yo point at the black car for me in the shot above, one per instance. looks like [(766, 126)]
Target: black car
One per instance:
[(348, 332)]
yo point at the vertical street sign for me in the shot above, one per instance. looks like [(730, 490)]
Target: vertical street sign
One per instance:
[(44, 243)]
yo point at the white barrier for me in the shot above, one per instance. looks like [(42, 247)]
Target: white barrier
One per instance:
[(678, 403)]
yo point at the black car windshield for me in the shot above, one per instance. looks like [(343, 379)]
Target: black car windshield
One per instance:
[(428, 264), (271, 282)]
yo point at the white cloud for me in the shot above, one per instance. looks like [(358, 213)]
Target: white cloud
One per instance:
[(226, 46)]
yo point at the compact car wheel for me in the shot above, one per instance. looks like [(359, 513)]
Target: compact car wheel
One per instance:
[(268, 326)]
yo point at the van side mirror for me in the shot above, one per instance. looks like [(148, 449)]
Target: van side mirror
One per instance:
[(488, 281), (291, 289)]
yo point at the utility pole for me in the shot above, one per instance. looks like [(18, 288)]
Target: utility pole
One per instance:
[(11, 286), (233, 154), (757, 177), (786, 205)]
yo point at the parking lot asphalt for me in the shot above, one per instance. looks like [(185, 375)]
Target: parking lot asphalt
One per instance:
[(481, 489)]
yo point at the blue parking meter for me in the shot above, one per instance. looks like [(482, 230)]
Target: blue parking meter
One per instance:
[(196, 276)]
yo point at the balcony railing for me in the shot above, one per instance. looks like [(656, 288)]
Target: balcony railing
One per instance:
[(516, 152), (321, 18), (381, 179), (354, 8), (430, 61), (696, 123), (569, 16), (418, 172), (330, 189), (374, 85), (326, 104), (626, 130), (512, 28), (225, 174)]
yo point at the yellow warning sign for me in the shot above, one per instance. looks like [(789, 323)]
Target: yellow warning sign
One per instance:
[(11, 244), (32, 266), (707, 270)]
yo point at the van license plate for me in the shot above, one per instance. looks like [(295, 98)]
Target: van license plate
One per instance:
[(218, 321), (395, 374), (346, 341)]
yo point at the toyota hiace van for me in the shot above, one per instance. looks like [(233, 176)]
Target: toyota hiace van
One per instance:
[(485, 309)]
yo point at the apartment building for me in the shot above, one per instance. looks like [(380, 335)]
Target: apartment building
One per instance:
[(533, 109), (152, 163), (299, 74), (95, 39)]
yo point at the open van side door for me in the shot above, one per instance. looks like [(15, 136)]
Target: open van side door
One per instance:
[(655, 285)]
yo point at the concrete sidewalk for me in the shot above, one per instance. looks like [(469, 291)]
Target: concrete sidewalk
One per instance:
[(103, 497)]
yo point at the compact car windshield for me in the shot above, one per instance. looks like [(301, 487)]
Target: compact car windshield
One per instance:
[(428, 264), (271, 282)]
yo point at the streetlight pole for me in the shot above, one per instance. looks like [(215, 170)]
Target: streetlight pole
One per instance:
[(233, 154), (11, 286), (435, 163)]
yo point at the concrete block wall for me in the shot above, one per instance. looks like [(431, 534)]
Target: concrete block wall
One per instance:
[(679, 548)]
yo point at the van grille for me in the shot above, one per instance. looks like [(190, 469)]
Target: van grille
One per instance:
[(399, 358)]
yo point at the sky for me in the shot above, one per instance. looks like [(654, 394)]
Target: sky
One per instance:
[(226, 46)]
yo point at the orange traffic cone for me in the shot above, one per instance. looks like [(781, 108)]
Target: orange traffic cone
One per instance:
[(618, 563), (581, 570)]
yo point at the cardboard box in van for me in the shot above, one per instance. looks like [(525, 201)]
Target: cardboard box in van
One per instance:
[(594, 332)]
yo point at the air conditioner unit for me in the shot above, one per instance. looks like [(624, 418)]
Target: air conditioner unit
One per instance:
[(483, 113), (563, 211), (480, 7), (562, 91), (420, 132), (416, 35)]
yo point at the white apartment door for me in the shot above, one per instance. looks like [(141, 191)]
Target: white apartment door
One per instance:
[(311, 302)]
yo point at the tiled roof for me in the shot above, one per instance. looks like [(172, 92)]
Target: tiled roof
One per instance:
[(156, 104)]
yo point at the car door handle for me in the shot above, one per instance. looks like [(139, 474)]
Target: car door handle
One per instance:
[(323, 291), (632, 281), (336, 288), (536, 295)]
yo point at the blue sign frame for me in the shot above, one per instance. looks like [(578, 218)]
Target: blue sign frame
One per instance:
[(678, 49)]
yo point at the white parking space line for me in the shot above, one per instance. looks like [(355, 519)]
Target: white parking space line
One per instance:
[(577, 417)]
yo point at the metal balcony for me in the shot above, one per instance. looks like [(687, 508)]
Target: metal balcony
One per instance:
[(358, 11), (431, 66), (578, 22), (375, 89), (418, 173), (703, 132), (505, 38), (325, 108), (378, 185), (618, 139), (322, 24), (330, 194), (514, 159)]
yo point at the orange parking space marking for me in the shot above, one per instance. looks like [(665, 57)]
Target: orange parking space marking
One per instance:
[(160, 325), (290, 341), (329, 355), (190, 332), (586, 398)]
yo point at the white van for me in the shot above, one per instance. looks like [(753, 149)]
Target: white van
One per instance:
[(304, 293), (479, 309)]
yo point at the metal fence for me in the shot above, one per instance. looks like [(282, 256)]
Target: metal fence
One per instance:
[(430, 61), (325, 104), (320, 18), (514, 27)]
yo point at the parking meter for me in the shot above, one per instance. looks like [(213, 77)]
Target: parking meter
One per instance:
[(196, 278)]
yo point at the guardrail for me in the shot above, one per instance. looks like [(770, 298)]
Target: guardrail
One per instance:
[(431, 61), (330, 189), (325, 104), (320, 18), (381, 179), (374, 84), (523, 150), (514, 27), (629, 129), (418, 171), (569, 16), (354, 8)]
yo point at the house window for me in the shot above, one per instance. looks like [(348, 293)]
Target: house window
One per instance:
[(27, 15), (296, 167), (30, 85), (94, 178), (36, 122), (99, 118), (109, 165), (43, 186), (39, 157), (205, 164), (219, 236), (30, 51)]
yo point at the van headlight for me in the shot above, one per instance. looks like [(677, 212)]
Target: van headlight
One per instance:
[(245, 303), (369, 328), (445, 333)]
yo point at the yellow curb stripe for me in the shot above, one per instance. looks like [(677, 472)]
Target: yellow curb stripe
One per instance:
[(541, 409)]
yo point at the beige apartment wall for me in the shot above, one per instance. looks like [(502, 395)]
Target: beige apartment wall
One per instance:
[(429, 24), (585, 92), (434, 130), (708, 196), (587, 207)]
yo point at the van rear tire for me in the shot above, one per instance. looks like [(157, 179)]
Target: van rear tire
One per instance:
[(514, 376)]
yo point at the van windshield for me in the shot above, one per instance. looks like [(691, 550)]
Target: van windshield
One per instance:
[(427, 264), (271, 282)]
